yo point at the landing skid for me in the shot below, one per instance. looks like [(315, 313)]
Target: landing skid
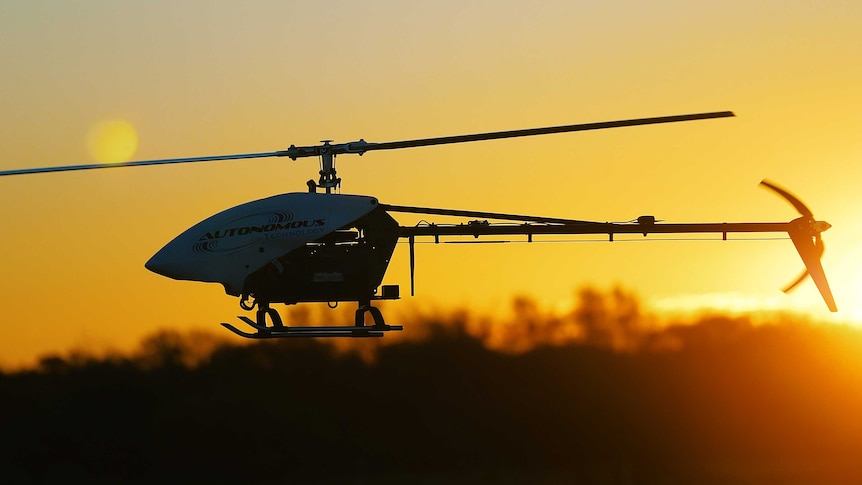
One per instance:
[(279, 330), (309, 332)]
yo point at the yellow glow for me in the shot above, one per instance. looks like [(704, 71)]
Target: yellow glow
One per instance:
[(112, 141)]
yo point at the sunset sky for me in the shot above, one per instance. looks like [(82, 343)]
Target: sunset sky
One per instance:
[(194, 78)]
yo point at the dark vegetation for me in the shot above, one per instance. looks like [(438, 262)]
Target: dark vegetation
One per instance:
[(597, 396)]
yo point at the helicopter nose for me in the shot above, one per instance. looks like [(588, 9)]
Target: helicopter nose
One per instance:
[(155, 265), (160, 264)]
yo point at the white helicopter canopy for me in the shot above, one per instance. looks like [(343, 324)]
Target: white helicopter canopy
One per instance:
[(227, 247)]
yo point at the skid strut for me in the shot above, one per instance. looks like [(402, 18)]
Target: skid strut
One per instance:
[(365, 306), (263, 311)]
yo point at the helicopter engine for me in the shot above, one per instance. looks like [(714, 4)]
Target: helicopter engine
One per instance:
[(347, 264)]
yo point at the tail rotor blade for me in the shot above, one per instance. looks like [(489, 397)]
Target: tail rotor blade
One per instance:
[(810, 251), (818, 245), (805, 234), (790, 287), (800, 207)]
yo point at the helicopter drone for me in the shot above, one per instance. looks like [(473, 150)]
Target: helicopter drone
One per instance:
[(324, 246)]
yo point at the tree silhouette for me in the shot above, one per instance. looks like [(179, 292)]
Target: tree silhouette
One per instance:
[(618, 401)]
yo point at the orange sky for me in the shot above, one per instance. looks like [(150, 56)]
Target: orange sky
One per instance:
[(208, 78)]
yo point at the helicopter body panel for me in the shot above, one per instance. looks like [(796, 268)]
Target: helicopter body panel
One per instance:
[(229, 246)]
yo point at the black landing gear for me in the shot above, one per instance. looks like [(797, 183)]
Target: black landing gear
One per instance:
[(264, 311), (277, 329), (365, 306)]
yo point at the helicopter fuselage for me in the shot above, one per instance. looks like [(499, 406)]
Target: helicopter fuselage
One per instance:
[(310, 247)]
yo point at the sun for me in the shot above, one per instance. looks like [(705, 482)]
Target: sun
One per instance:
[(112, 141)]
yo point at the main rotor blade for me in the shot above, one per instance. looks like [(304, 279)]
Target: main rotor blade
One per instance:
[(362, 146), (165, 161), (538, 131)]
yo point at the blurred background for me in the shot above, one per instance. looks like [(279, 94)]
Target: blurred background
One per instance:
[(598, 394)]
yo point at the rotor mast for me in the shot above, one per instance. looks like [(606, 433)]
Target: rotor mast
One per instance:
[(326, 153), (328, 179)]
